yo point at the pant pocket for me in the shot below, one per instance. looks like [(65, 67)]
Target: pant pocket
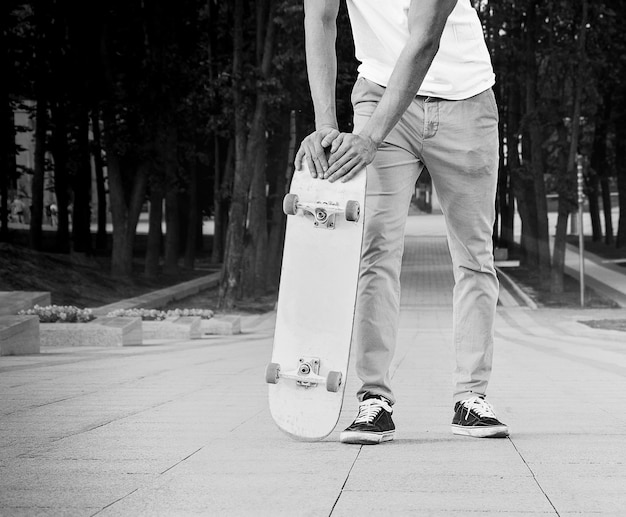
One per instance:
[(356, 90), (365, 90)]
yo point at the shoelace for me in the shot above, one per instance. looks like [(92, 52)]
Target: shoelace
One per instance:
[(369, 410), (480, 406)]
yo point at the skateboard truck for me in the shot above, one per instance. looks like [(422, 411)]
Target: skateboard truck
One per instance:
[(324, 213), (306, 375)]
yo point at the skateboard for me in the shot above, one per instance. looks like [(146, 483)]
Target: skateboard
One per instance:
[(316, 303)]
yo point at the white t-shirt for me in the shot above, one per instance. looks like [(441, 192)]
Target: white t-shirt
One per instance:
[(462, 67)]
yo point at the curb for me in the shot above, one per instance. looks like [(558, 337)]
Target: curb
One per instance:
[(162, 296), (218, 325)]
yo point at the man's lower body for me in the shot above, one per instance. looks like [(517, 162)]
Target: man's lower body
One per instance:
[(457, 141)]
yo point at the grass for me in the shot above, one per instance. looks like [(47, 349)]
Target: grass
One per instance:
[(76, 280), (85, 282)]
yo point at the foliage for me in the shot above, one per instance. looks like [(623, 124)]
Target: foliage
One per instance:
[(159, 79)]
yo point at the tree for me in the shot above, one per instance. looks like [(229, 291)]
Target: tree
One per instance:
[(249, 147)]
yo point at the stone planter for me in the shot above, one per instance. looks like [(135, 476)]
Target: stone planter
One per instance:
[(181, 328), (11, 302), (222, 325), (105, 332), (19, 335)]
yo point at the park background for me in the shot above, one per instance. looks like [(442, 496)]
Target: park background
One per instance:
[(146, 123)]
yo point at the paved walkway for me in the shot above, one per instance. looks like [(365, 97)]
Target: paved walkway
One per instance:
[(182, 428)]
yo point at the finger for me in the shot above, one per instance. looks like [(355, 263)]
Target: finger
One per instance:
[(298, 160), (342, 167), (330, 138), (311, 166), (320, 167), (343, 153), (335, 145), (319, 156)]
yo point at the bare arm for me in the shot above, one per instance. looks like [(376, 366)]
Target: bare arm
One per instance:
[(351, 152), (320, 25)]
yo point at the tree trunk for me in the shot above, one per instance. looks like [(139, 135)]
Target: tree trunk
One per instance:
[(258, 210), (609, 238), (37, 184), (121, 251), (61, 185), (41, 128), (124, 215), (521, 182), (503, 232), (246, 163), (81, 216), (172, 211), (233, 250), (591, 191), (216, 249), (539, 208), (7, 131), (620, 164), (283, 165), (558, 254), (8, 154), (194, 217), (223, 185), (601, 169), (172, 235), (155, 233), (567, 183), (101, 235)]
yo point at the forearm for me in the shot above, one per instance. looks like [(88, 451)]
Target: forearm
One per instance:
[(320, 36), (399, 93)]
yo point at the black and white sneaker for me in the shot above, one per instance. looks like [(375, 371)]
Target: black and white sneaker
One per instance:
[(475, 417), (373, 424)]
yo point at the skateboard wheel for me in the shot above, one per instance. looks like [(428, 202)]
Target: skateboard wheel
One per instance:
[(333, 381), (353, 211), (271, 373), (290, 204)]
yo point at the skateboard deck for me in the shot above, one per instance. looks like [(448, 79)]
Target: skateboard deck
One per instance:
[(316, 303)]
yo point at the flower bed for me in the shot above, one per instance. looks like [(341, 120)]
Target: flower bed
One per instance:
[(58, 326), (59, 313), (157, 315)]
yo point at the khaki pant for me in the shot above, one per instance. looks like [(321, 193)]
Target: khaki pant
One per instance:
[(457, 141)]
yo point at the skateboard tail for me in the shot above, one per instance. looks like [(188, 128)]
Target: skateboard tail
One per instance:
[(301, 438), (307, 418)]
